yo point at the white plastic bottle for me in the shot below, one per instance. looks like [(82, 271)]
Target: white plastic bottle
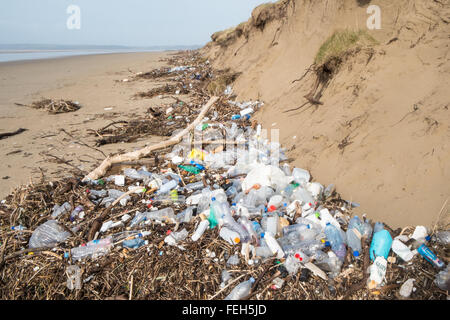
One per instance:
[(200, 230), (273, 244), (402, 250)]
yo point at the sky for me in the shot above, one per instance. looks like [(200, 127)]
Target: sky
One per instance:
[(119, 22)]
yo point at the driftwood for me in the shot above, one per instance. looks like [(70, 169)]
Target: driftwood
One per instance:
[(10, 134), (135, 155)]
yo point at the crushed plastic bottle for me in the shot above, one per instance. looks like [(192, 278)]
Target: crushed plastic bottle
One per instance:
[(407, 288), (73, 277), (241, 291), (442, 279), (48, 234)]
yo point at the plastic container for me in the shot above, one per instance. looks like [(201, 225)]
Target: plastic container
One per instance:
[(59, 210), (381, 244), (407, 288), (167, 187), (48, 234), (76, 212), (273, 244), (160, 215), (429, 255), (354, 241), (442, 279), (241, 291), (402, 250), (334, 237), (200, 230), (301, 176), (92, 249), (230, 236)]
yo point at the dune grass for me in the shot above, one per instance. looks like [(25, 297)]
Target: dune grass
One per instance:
[(340, 42)]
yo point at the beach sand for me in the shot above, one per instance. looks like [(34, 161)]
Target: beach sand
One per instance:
[(95, 82)]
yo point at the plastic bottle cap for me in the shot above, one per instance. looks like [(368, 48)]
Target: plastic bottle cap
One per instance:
[(327, 244), (428, 238), (327, 224), (237, 240), (262, 235), (252, 279), (213, 198), (356, 253)]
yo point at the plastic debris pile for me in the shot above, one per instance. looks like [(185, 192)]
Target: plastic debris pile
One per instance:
[(228, 219)]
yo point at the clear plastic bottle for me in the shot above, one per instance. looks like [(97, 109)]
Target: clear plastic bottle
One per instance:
[(354, 241), (273, 244), (241, 291), (195, 186), (301, 176), (249, 227), (230, 236), (48, 234), (167, 187), (443, 237), (442, 279), (334, 237), (160, 215), (59, 210), (92, 249)]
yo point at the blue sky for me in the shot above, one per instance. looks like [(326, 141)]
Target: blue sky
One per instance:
[(120, 22)]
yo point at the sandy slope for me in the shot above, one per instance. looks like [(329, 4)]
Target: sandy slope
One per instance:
[(397, 162), (91, 80)]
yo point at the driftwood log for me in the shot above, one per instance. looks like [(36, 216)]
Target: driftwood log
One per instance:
[(136, 155)]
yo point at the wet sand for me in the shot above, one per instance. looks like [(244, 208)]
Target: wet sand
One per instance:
[(95, 82)]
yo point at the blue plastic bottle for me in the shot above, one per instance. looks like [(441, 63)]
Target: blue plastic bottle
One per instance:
[(334, 237), (381, 243), (430, 256)]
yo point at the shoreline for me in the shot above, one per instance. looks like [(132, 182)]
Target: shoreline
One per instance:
[(92, 80)]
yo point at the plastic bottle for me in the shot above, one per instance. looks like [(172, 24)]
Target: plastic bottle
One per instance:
[(402, 250), (407, 288), (249, 227), (442, 279), (186, 215), (301, 176), (367, 231), (200, 230), (354, 241), (48, 234), (241, 291), (161, 215), (326, 217), (59, 210), (273, 244), (93, 249), (272, 225), (443, 237), (429, 255), (334, 237), (381, 244), (195, 186), (75, 213), (167, 187), (133, 243), (230, 236)]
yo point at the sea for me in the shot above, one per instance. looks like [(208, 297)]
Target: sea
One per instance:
[(25, 52)]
